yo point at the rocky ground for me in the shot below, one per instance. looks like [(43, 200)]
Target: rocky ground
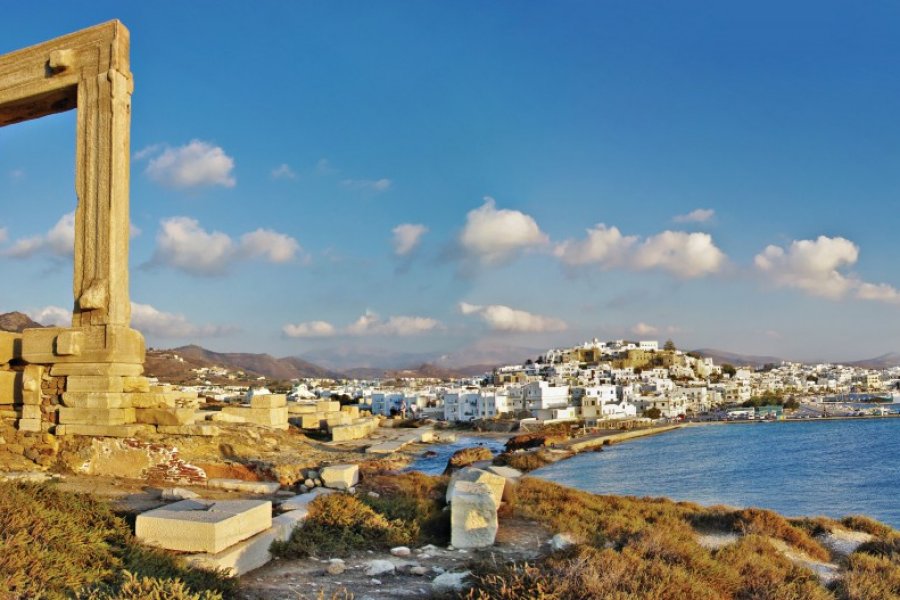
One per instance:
[(381, 575)]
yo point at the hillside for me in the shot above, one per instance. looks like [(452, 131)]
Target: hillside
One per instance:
[(423, 371), (16, 322), (885, 361), (260, 364), (738, 360)]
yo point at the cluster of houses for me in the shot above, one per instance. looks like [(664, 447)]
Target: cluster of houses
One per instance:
[(595, 382)]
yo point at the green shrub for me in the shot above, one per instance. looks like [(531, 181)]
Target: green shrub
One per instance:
[(413, 498)]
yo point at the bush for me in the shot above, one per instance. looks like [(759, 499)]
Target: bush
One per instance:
[(55, 544), (414, 498), (524, 461), (466, 457), (338, 525)]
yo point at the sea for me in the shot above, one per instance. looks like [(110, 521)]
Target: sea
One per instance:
[(797, 468)]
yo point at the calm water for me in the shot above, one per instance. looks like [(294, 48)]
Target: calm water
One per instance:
[(435, 465), (831, 468)]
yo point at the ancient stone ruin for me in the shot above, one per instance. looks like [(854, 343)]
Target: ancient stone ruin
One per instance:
[(85, 379)]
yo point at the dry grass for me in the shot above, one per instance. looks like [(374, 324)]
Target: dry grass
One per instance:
[(524, 461), (55, 544)]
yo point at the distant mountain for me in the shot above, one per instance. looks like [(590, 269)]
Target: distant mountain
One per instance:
[(254, 364), (16, 322), (885, 361), (423, 371), (738, 360)]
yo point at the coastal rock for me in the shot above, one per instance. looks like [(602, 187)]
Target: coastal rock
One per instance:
[(335, 567), (379, 567), (401, 551), (340, 477), (418, 570), (449, 582), (473, 516), (467, 456), (178, 494)]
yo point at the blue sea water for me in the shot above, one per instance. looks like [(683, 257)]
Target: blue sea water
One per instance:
[(831, 468), (437, 462)]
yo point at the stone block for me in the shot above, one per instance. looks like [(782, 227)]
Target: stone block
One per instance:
[(473, 516), (31, 384), (31, 411), (10, 346), (195, 429), (223, 417), (97, 369), (328, 406), (135, 384), (165, 416), (268, 401), (299, 408), (69, 343), (493, 483), (96, 416), (313, 421), (203, 525), (32, 425), (300, 502), (108, 400), (116, 431), (10, 387), (151, 400), (95, 383), (337, 419), (353, 411), (267, 417), (240, 485), (340, 477)]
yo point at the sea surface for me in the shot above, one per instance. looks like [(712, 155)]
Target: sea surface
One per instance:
[(435, 463), (831, 468)]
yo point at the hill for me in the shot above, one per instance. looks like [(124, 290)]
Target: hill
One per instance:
[(260, 364), (738, 360), (16, 322), (423, 371), (885, 361)]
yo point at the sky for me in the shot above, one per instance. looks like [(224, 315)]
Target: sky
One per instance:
[(433, 178)]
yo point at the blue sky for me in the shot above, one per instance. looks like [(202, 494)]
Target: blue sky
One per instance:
[(429, 177)]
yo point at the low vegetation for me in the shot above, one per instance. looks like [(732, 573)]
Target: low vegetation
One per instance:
[(526, 461), (55, 544), (404, 509)]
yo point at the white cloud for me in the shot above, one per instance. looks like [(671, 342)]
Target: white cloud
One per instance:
[(407, 237), (503, 318), (309, 329), (51, 315), (58, 241), (604, 246), (17, 174), (324, 167), (269, 245), (374, 185), (492, 236), (283, 171), (183, 244), (683, 254), (196, 164), (370, 323), (810, 265), (699, 215), (815, 267), (152, 321), (644, 329), (4, 235)]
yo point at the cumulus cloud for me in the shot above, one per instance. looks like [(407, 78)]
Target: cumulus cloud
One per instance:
[(196, 164), (309, 329), (369, 323), (373, 185), (604, 246), (324, 167), (644, 329), (51, 315), (183, 244), (686, 255), (155, 322), (283, 171), (59, 241), (493, 236), (810, 265), (699, 215), (407, 237), (815, 267), (503, 318)]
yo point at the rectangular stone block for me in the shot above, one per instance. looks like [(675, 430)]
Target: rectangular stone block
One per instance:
[(151, 400), (116, 431), (33, 425), (96, 416), (268, 417), (239, 485), (135, 384), (94, 383), (268, 401), (313, 421), (105, 400), (203, 525), (196, 429), (10, 387), (105, 369), (165, 416), (473, 516), (353, 411), (328, 406), (223, 417), (10, 346), (340, 477), (31, 384), (31, 411), (297, 408)]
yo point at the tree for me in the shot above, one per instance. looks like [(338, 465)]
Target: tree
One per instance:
[(729, 370), (653, 413), (669, 345)]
